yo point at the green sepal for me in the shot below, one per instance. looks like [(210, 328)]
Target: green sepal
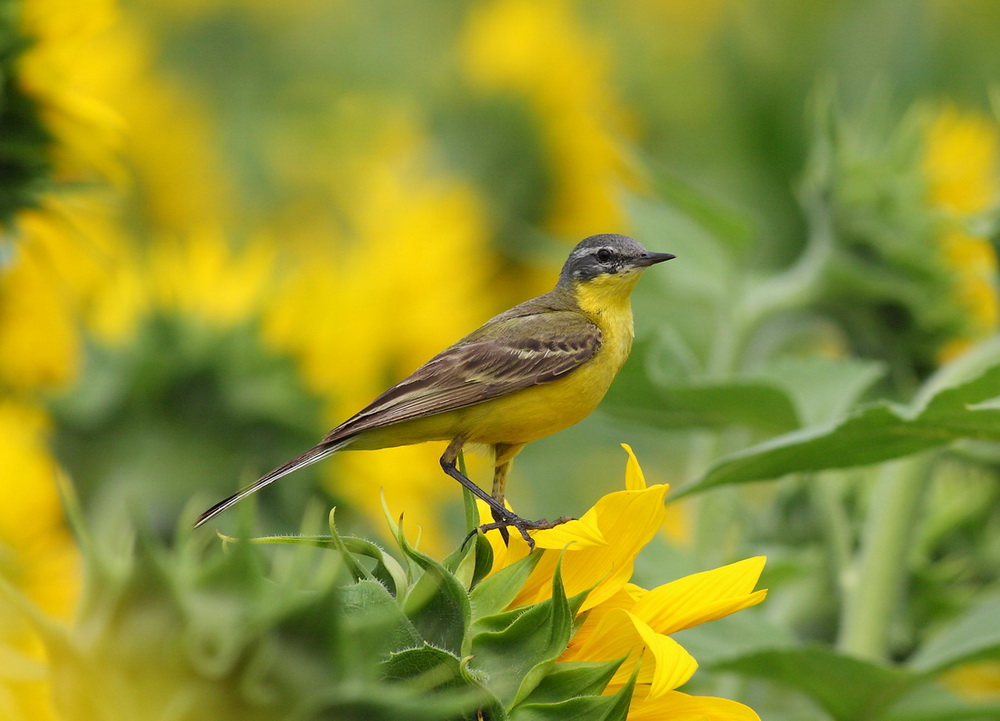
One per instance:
[(436, 604), (589, 707), (492, 708), (462, 564), (498, 621), (582, 708), (391, 703), (569, 680), (517, 657), (484, 559), (473, 560), (371, 602), (426, 667), (495, 593), (431, 669), (386, 570), (349, 548)]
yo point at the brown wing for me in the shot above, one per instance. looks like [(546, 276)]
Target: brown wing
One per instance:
[(504, 356), (528, 345)]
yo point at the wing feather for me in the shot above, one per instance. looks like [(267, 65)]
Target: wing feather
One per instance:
[(506, 355)]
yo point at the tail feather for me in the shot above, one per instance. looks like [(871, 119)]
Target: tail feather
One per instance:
[(314, 454)]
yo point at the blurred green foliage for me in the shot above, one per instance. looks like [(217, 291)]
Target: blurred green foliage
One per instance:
[(318, 196)]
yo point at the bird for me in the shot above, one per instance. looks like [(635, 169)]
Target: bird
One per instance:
[(527, 373)]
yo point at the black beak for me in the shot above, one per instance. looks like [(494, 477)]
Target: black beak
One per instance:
[(649, 259)]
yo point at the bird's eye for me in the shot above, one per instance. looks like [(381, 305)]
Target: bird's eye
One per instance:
[(604, 255)]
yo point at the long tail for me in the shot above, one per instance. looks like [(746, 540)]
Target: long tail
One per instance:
[(316, 453)]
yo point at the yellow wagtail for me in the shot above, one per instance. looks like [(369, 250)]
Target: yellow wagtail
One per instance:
[(537, 368)]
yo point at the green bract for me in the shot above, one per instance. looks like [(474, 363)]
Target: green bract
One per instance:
[(24, 142), (248, 632)]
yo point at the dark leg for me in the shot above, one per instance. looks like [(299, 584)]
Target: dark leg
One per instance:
[(501, 516), (448, 464), (503, 455)]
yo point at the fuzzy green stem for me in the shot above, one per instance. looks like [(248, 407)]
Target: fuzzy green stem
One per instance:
[(871, 596)]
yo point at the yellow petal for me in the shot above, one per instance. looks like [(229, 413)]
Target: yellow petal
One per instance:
[(572, 535), (671, 664), (677, 705), (629, 519), (665, 663), (593, 622), (611, 636), (701, 597), (634, 479)]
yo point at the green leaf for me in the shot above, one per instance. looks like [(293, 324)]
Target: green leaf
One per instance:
[(709, 265), (495, 593), (778, 398), (974, 636), (468, 500), (849, 689), (849, 443), (723, 223), (822, 389), (876, 432), (568, 680), (516, 658), (931, 702), (437, 604), (974, 363), (755, 404)]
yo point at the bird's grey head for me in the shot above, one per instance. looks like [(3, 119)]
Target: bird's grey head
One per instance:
[(607, 254)]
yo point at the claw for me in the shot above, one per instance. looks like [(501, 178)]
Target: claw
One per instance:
[(499, 518), (522, 525)]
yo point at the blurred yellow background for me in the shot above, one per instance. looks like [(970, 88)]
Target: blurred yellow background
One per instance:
[(248, 218)]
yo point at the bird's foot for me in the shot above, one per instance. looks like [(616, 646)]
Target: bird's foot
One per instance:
[(502, 521)]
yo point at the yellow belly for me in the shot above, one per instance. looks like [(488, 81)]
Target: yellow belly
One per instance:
[(542, 410)]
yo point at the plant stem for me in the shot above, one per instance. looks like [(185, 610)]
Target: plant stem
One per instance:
[(824, 489), (871, 595)]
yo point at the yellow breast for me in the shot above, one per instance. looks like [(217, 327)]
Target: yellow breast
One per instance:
[(541, 410), (538, 411), (605, 300)]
